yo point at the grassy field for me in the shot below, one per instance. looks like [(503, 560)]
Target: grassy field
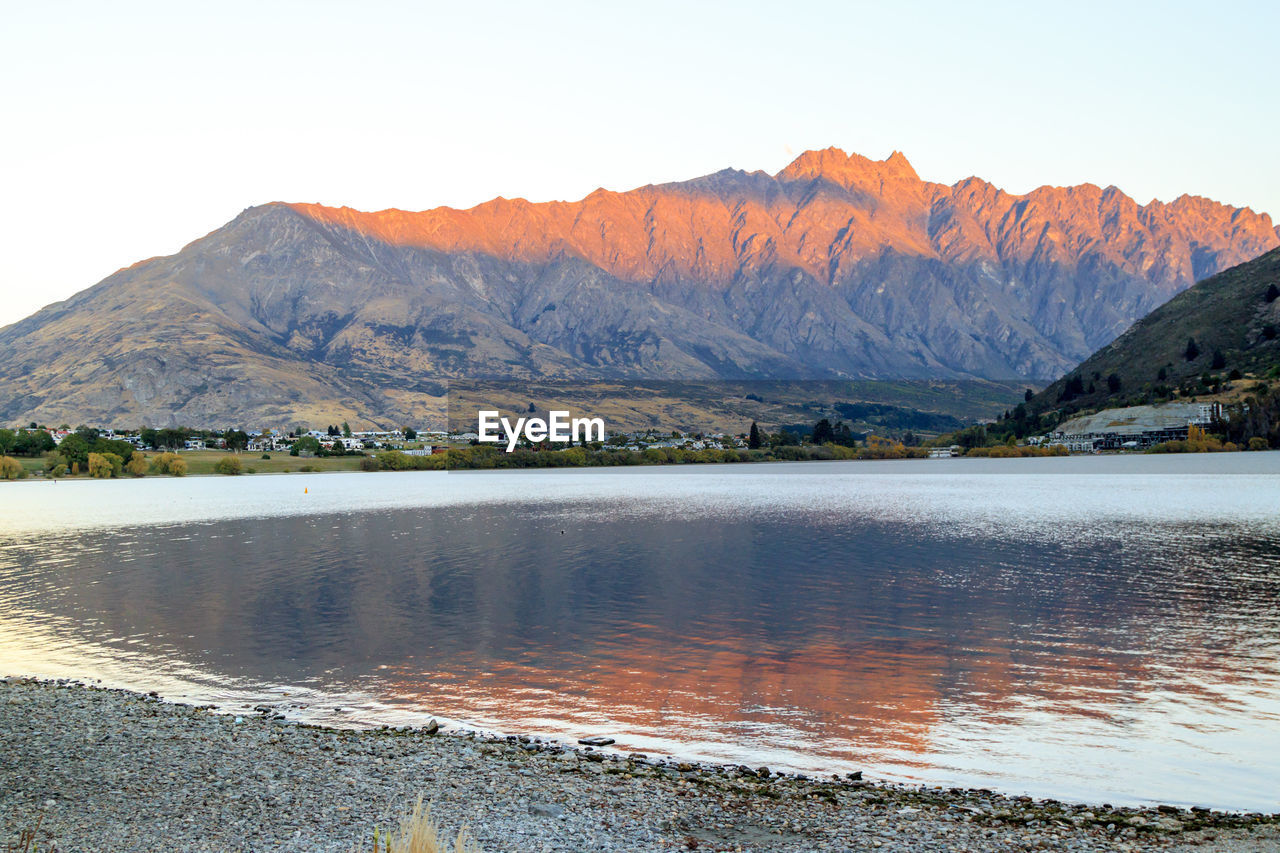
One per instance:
[(202, 462)]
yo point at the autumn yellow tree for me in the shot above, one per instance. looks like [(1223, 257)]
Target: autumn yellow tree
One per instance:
[(105, 465), (169, 463), (137, 464)]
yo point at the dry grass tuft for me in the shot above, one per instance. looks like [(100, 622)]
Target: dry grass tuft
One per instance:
[(419, 833), (27, 839)]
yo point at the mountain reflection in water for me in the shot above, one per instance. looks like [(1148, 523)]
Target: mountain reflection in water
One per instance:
[(1123, 661)]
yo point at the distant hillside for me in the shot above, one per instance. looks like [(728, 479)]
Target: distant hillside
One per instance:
[(836, 267), (1225, 326)]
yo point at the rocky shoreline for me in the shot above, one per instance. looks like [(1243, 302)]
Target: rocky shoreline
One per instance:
[(99, 769)]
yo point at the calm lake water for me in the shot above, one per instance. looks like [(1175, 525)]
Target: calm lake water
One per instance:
[(1093, 629)]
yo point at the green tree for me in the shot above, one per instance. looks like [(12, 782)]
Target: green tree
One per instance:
[(236, 439), (410, 434), (1219, 361), (1192, 351), (1113, 383), (137, 466), (75, 449), (753, 437), (33, 443), (11, 469), (1272, 292), (823, 433), (7, 439), (228, 465), (172, 437), (120, 448), (1074, 388), (306, 444), (346, 430), (843, 436)]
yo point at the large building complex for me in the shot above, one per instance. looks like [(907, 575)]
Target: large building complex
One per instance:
[(1132, 427)]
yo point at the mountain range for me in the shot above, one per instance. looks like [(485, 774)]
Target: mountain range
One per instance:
[(837, 266)]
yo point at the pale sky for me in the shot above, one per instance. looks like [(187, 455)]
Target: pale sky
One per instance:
[(130, 129)]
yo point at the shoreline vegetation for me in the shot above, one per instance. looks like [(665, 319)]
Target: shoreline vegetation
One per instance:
[(106, 459), (89, 767), (484, 457)]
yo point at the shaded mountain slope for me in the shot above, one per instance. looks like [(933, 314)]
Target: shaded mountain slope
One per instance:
[(1233, 319)]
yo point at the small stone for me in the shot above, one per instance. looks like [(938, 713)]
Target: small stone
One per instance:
[(596, 741), (431, 728), (546, 810)]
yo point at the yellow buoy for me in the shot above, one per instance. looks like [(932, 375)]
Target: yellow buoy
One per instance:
[(304, 491)]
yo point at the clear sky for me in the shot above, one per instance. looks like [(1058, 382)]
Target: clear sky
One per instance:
[(130, 129)]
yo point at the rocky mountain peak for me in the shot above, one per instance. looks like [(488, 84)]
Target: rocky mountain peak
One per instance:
[(848, 170)]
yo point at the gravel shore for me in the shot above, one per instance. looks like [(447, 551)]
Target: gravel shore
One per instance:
[(111, 770)]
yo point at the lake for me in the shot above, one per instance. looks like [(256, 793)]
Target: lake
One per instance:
[(1091, 629)]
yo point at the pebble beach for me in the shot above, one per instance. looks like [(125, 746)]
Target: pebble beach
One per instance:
[(88, 769)]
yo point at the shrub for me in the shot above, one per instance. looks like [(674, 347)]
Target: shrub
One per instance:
[(11, 469), (169, 463), (419, 833), (1258, 443), (58, 470), (162, 463), (137, 465), (266, 456), (394, 460), (229, 465)]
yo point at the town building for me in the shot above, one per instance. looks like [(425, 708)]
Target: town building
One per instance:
[(1133, 427)]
